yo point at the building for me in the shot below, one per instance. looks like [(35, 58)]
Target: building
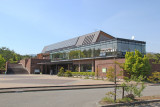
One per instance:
[(88, 53), (93, 52)]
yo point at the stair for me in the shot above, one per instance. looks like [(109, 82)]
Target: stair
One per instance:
[(16, 69)]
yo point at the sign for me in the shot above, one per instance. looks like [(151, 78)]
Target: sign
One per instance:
[(104, 70)]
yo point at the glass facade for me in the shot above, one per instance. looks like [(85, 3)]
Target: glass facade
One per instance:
[(110, 48)]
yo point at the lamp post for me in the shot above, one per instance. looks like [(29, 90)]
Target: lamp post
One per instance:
[(115, 77)]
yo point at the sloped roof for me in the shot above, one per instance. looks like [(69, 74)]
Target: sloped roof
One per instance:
[(63, 44), (81, 40)]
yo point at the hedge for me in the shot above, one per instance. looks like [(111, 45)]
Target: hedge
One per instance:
[(83, 74), (68, 73)]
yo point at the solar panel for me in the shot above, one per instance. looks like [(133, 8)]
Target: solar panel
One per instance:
[(63, 44)]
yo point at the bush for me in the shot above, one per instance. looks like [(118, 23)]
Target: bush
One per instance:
[(109, 97), (68, 73), (124, 100), (110, 74), (61, 72), (134, 85), (155, 77), (87, 74), (108, 100), (131, 96)]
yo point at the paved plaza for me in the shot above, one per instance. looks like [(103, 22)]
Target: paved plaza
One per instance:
[(7, 81)]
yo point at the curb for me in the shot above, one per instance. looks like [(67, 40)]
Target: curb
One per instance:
[(129, 104), (55, 88)]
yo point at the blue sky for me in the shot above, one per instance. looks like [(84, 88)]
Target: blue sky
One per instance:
[(26, 26)]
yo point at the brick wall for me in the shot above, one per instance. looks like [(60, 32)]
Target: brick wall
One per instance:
[(99, 64), (107, 63), (154, 67), (23, 62), (32, 64)]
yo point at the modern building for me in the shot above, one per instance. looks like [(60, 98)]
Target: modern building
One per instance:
[(93, 52), (88, 53)]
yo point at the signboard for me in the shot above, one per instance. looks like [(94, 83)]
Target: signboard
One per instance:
[(104, 70)]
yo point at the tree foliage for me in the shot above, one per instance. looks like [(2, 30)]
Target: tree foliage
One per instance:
[(110, 74), (9, 55), (2, 63), (155, 77), (134, 85), (136, 64), (155, 57)]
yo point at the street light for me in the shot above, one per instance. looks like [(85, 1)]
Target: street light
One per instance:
[(115, 77)]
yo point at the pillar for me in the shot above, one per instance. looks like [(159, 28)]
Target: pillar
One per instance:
[(45, 69), (56, 69), (41, 69), (79, 67), (93, 66)]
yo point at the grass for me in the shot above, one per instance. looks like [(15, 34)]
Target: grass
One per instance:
[(108, 100)]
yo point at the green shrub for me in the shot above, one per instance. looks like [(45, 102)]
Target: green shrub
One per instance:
[(110, 74), (68, 73), (134, 85), (109, 97), (87, 74), (61, 72), (108, 100), (131, 96), (124, 100), (155, 77)]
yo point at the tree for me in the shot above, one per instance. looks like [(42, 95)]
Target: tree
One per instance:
[(157, 58), (110, 74), (150, 56), (136, 64), (2, 63), (11, 56)]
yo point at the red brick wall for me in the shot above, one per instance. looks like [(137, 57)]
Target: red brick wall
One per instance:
[(99, 64), (31, 64), (154, 67), (28, 65), (24, 62), (34, 64)]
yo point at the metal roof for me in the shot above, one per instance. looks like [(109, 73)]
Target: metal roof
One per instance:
[(63, 44), (78, 41)]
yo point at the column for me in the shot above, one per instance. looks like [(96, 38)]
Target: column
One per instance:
[(79, 67), (93, 66), (56, 69)]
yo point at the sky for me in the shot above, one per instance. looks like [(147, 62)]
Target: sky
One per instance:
[(26, 26)]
